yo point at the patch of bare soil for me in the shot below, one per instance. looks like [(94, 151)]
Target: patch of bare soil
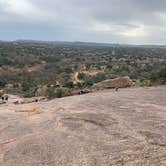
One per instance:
[(105, 128), (34, 68), (75, 78)]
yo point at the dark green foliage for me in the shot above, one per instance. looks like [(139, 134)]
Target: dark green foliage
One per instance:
[(59, 93), (159, 77), (51, 93), (15, 85), (5, 61), (3, 83), (69, 84), (98, 77), (68, 70), (79, 85), (75, 66), (162, 74), (26, 86), (30, 93), (90, 80), (88, 83), (81, 76), (109, 66), (29, 88)]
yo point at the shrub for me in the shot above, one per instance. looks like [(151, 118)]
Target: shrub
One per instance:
[(162, 74), (109, 66), (59, 93), (15, 85), (68, 70), (81, 76), (25, 86), (159, 77), (69, 84), (3, 83), (98, 77)]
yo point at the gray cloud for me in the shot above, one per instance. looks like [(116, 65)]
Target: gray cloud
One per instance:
[(127, 21)]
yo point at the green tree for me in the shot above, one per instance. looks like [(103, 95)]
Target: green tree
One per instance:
[(3, 83), (162, 74), (69, 84), (25, 86)]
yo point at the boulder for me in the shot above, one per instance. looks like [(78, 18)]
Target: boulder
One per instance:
[(30, 100), (120, 82), (41, 91)]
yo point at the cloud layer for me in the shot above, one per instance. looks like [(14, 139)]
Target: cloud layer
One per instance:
[(113, 21)]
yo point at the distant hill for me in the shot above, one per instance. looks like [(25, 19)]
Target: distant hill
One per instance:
[(79, 43)]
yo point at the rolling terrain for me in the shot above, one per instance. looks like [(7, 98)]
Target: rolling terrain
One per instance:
[(104, 128), (59, 69)]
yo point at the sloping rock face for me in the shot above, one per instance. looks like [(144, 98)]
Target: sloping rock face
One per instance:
[(104, 128), (120, 82)]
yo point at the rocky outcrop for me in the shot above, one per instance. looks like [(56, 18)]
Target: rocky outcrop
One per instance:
[(41, 91), (100, 129), (30, 100), (120, 82)]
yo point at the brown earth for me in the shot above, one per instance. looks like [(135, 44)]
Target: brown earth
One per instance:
[(105, 128), (75, 78)]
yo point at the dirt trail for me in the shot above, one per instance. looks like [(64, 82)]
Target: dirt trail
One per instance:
[(98, 129), (90, 73), (75, 78)]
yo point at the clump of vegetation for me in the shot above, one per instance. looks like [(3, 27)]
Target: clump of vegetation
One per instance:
[(53, 92), (159, 77), (3, 83), (162, 75), (69, 84)]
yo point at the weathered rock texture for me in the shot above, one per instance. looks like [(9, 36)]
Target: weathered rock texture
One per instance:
[(106, 128), (120, 82)]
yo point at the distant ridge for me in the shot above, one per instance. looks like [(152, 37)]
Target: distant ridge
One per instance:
[(80, 43)]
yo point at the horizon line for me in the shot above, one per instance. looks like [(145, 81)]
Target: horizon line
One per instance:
[(88, 42)]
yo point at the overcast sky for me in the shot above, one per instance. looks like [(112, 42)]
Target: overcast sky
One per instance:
[(109, 21)]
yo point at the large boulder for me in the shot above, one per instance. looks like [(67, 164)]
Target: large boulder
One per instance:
[(120, 82), (41, 91)]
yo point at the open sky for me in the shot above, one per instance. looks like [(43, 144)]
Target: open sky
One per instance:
[(108, 21)]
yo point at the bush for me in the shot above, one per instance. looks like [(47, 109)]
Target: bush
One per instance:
[(16, 85), (59, 93), (109, 66), (88, 83), (98, 78), (159, 77), (69, 84), (68, 70), (55, 93), (162, 74), (25, 86), (81, 76), (30, 92), (3, 83), (79, 85)]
